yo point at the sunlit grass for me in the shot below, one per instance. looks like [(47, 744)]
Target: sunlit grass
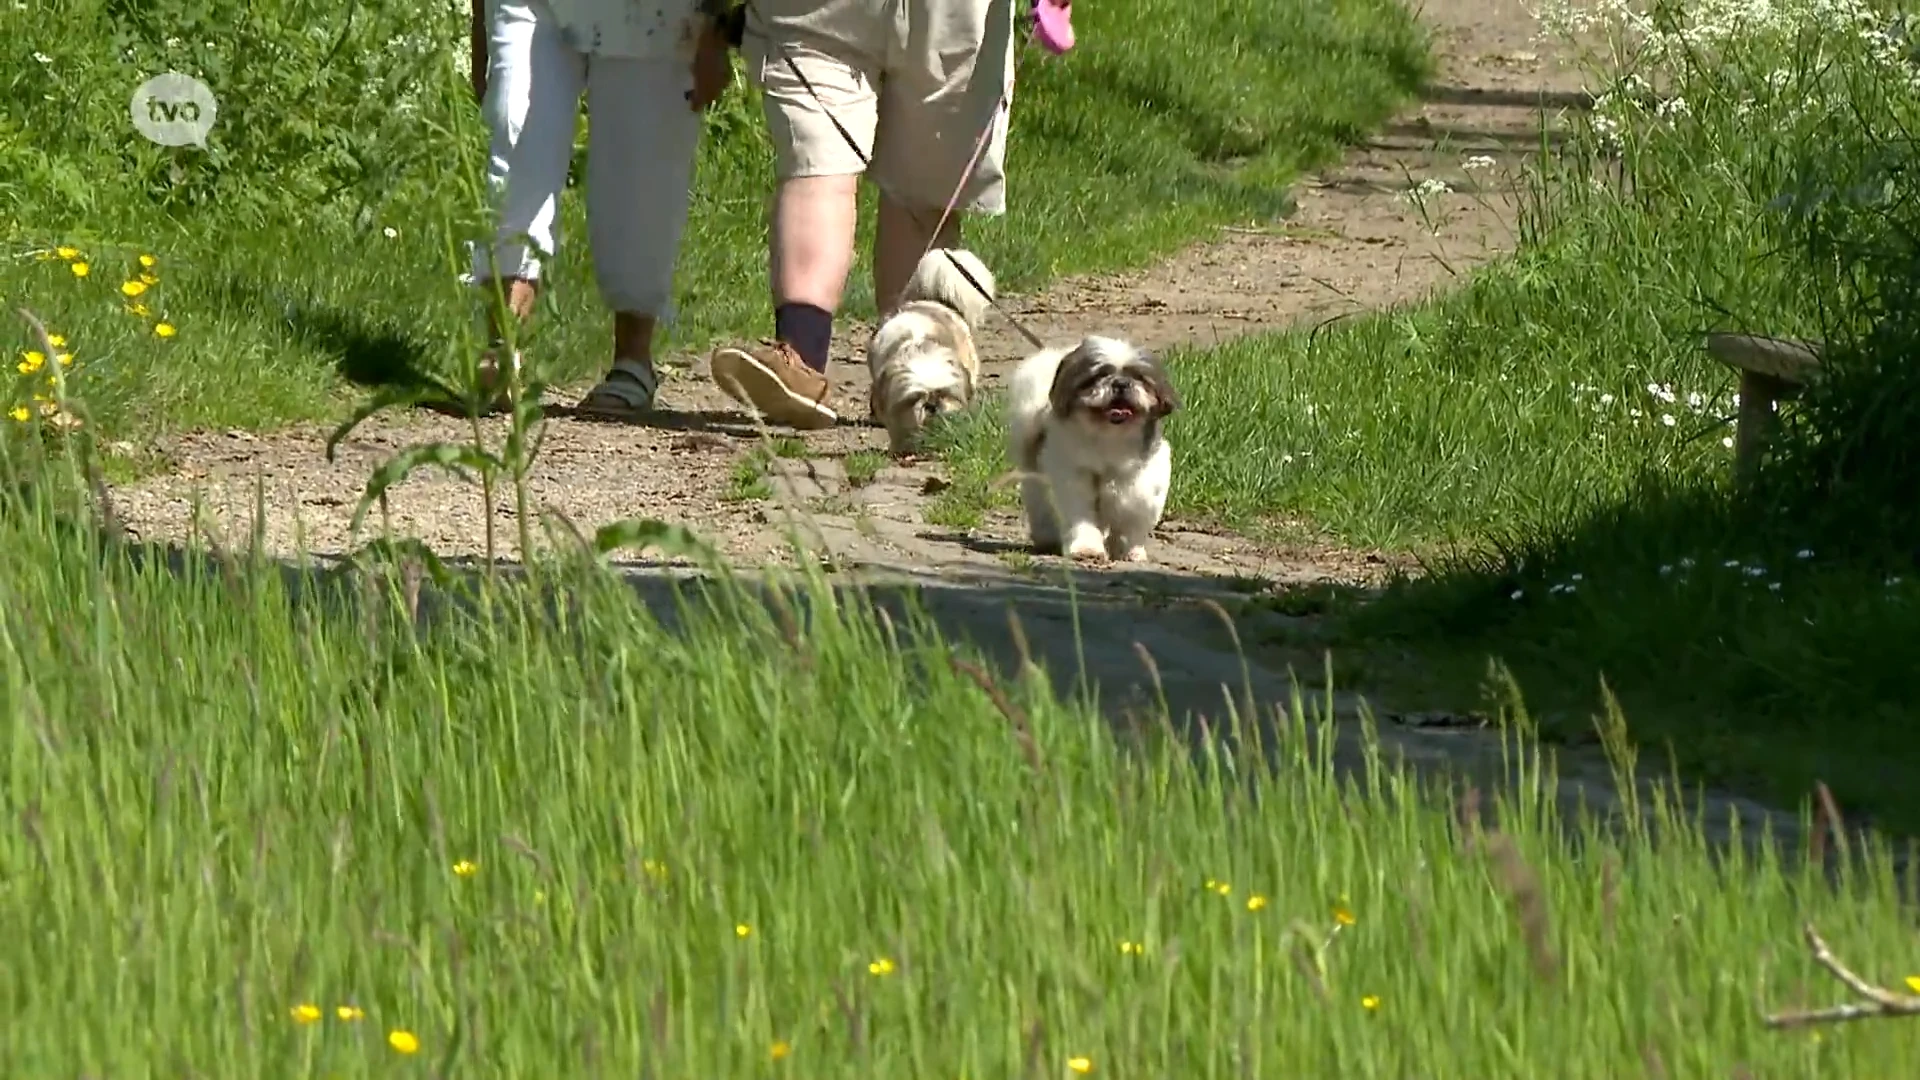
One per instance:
[(260, 834)]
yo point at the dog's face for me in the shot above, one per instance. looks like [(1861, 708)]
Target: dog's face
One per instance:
[(911, 396), (1111, 387), (908, 418)]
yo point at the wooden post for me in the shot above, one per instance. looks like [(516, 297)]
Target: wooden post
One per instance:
[(1759, 397)]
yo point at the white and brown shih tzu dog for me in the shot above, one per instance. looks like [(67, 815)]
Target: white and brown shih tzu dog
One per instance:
[(922, 359), (1084, 432)]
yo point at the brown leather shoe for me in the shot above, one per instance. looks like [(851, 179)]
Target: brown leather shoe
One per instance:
[(772, 380)]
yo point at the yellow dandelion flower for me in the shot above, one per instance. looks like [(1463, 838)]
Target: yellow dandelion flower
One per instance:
[(68, 253), (1913, 983), (1220, 887), (403, 1041), (465, 867), (1256, 902), (305, 1014), (539, 896), (742, 930), (138, 309), (80, 269), (20, 413), (1371, 1002), (148, 261), (56, 341), (350, 1012), (1081, 1065), (779, 1050), (133, 288), (149, 279), (1132, 948), (31, 361), (164, 330), (882, 966), (655, 869), (65, 359)]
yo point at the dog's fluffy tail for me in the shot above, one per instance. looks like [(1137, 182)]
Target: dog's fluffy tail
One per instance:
[(937, 280)]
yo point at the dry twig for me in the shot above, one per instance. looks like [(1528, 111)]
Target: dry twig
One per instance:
[(1876, 1001)]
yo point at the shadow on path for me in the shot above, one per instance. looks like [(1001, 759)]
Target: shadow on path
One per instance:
[(1098, 634)]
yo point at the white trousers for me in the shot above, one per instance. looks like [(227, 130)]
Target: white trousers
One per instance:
[(642, 139)]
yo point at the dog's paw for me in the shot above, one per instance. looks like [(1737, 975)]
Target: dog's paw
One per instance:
[(1085, 542), (1137, 553)]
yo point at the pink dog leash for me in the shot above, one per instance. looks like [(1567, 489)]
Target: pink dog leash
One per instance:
[(1053, 29)]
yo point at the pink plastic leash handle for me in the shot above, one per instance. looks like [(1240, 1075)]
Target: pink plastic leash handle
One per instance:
[(1053, 25)]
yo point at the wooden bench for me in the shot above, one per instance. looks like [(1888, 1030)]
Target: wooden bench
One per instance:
[(1771, 370)]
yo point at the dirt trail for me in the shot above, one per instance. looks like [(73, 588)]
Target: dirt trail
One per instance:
[(1356, 242)]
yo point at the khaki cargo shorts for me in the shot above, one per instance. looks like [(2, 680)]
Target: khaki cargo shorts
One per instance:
[(913, 83)]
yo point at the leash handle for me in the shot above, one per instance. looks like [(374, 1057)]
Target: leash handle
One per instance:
[(1053, 25)]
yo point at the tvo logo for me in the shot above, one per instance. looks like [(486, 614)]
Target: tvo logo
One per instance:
[(174, 110)]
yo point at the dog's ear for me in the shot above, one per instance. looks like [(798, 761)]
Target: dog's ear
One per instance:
[(1166, 400), (1075, 370)]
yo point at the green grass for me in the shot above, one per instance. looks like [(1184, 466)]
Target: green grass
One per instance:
[(862, 466), (540, 837), (1550, 437), (1171, 119), (748, 482)]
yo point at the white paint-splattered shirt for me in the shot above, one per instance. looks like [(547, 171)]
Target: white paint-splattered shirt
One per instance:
[(629, 28)]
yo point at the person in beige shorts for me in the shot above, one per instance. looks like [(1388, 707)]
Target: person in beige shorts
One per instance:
[(913, 87)]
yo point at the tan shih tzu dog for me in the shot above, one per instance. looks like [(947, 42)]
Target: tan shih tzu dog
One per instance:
[(922, 358), (1084, 433)]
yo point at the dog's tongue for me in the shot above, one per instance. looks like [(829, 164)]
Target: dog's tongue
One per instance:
[(1119, 414)]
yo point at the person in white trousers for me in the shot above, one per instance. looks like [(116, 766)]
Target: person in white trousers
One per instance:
[(649, 68)]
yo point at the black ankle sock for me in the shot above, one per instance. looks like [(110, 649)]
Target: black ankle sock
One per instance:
[(808, 329)]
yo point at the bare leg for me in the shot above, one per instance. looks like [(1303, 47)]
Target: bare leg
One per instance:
[(812, 250), (522, 293), (901, 236), (633, 337)]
